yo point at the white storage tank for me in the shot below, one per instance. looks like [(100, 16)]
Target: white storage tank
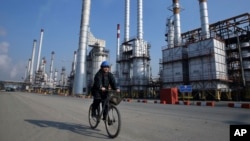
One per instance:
[(173, 72), (172, 64), (207, 62), (140, 69)]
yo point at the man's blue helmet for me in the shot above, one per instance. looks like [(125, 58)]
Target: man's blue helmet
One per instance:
[(105, 64)]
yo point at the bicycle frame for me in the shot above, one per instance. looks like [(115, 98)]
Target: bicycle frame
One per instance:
[(106, 104)]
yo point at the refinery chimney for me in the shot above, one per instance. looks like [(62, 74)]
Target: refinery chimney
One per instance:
[(32, 61), (170, 33), (140, 54), (39, 50), (51, 67), (127, 20), (79, 85), (204, 19), (43, 65), (125, 65), (55, 77), (74, 63), (28, 71), (118, 51), (177, 23), (139, 20)]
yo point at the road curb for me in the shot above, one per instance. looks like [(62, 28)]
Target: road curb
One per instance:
[(183, 103), (197, 103), (206, 103), (163, 102), (129, 100), (239, 105)]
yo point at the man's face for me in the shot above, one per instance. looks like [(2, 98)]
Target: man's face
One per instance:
[(105, 69)]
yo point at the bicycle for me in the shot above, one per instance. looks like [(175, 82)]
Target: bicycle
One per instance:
[(113, 119)]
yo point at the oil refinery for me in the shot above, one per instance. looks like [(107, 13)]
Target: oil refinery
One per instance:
[(213, 59)]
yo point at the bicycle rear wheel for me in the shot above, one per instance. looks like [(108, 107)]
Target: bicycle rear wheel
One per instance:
[(113, 122), (93, 121)]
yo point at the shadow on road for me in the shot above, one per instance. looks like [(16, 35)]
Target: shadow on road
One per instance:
[(75, 128)]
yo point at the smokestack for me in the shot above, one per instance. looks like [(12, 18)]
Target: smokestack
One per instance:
[(55, 77), (39, 50), (43, 65), (118, 51), (177, 23), (28, 69), (25, 74), (32, 61), (170, 31), (79, 85), (51, 66), (63, 77), (139, 20), (118, 42), (204, 19), (74, 62), (127, 20), (73, 66)]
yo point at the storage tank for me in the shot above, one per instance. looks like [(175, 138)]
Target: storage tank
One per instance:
[(175, 69), (207, 63)]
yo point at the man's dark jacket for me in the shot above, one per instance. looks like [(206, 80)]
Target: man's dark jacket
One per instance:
[(102, 80)]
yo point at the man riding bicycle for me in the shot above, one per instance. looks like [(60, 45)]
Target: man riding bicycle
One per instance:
[(103, 81)]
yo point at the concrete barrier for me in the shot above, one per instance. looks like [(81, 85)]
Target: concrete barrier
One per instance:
[(206, 103), (239, 105), (183, 103), (163, 102)]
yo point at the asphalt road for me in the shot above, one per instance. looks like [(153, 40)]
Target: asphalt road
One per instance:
[(37, 117)]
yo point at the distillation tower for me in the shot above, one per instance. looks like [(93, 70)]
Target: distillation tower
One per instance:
[(97, 54), (80, 78), (134, 58), (95, 57)]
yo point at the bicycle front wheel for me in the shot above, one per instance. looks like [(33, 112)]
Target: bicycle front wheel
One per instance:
[(113, 122), (93, 121)]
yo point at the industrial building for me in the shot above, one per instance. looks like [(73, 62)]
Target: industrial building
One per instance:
[(213, 59), (134, 59)]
